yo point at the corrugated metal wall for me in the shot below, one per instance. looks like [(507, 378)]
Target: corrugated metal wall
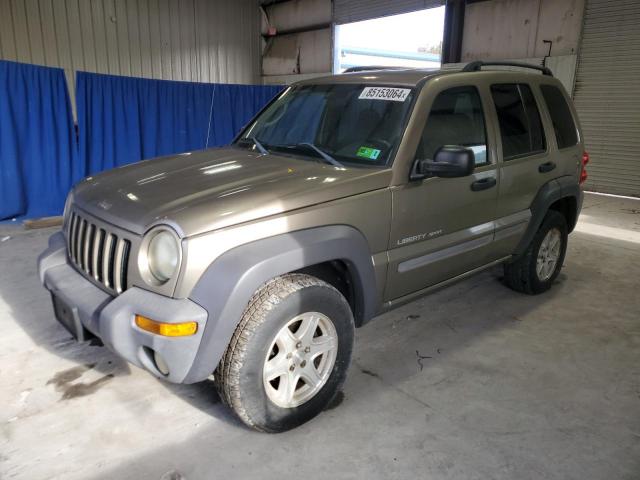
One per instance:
[(192, 40), (607, 94), (500, 29), (302, 43), (346, 11), (296, 15)]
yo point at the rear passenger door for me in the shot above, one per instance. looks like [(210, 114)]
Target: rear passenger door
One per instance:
[(525, 161)]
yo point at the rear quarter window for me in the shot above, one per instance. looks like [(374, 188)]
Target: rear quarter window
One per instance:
[(563, 124)]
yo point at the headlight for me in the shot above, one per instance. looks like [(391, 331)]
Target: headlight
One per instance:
[(163, 255)]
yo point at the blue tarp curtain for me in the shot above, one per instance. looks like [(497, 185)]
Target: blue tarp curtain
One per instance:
[(38, 154), (124, 120), (120, 120)]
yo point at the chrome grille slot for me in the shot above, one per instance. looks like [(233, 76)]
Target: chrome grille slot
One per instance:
[(109, 256), (71, 235), (95, 246), (118, 267), (99, 254), (81, 237), (86, 253)]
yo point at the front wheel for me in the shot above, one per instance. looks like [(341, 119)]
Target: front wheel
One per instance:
[(289, 354), (538, 267)]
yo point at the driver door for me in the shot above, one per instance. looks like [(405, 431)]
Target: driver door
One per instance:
[(443, 227)]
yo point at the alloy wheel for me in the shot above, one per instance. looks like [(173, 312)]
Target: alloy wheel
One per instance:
[(549, 254), (300, 359)]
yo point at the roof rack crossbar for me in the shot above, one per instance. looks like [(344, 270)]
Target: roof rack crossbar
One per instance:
[(478, 64), (367, 68)]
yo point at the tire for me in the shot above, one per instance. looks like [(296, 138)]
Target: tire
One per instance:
[(290, 301), (523, 275)]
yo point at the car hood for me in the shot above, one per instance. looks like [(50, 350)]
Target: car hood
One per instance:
[(202, 191)]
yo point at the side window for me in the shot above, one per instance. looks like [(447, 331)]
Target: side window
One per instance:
[(563, 125), (456, 118), (519, 119)]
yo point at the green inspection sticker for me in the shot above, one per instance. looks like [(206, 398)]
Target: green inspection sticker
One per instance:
[(368, 152)]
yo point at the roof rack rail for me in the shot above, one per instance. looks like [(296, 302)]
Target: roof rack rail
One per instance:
[(478, 64), (366, 68)]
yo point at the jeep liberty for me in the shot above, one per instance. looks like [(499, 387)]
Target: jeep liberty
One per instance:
[(347, 196)]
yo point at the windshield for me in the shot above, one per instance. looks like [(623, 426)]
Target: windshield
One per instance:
[(355, 124)]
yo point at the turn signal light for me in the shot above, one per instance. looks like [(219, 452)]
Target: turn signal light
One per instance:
[(167, 329), (583, 172)]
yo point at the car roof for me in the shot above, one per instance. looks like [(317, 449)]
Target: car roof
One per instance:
[(409, 77), (405, 77)]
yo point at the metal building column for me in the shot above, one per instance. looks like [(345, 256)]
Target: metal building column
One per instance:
[(453, 31)]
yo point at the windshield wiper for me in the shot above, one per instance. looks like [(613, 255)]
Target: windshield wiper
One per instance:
[(258, 145), (328, 158)]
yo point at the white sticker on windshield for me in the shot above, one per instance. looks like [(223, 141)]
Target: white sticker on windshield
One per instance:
[(385, 93)]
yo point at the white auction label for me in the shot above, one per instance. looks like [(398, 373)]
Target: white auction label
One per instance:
[(385, 93)]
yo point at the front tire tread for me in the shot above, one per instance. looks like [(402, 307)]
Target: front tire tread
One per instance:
[(227, 375)]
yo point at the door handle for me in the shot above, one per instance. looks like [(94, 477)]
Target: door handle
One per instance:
[(483, 184), (546, 167)]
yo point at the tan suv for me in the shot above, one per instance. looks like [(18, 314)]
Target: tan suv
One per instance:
[(345, 197)]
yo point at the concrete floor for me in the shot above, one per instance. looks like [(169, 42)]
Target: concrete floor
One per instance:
[(473, 382)]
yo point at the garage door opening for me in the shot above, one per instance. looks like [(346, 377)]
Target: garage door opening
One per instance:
[(411, 40)]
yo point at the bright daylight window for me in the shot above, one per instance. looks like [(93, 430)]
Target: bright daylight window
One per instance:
[(407, 40)]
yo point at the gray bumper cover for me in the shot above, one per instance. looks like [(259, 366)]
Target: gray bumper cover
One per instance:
[(112, 318)]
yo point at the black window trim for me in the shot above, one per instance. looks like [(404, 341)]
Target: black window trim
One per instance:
[(490, 158), (575, 120), (545, 150)]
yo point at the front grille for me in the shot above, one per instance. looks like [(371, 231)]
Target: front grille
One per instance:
[(98, 252)]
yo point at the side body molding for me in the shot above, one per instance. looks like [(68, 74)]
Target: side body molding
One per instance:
[(552, 191), (231, 280)]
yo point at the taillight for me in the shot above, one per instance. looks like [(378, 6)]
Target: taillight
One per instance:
[(583, 172)]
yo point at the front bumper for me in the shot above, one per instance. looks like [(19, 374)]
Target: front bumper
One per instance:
[(112, 319)]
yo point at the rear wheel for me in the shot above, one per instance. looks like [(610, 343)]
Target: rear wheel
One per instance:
[(289, 354), (535, 271)]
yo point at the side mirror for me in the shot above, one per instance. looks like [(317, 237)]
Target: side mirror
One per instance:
[(450, 161)]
